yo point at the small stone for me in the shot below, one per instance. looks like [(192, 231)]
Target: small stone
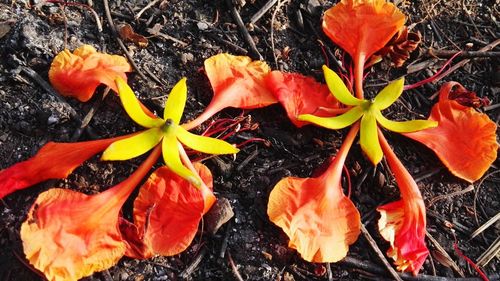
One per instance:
[(52, 120), (220, 213), (202, 25), (186, 57)]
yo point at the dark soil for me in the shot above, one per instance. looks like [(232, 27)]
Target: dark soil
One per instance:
[(249, 244)]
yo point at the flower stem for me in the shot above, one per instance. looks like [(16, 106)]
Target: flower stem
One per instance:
[(334, 171), (359, 65), (407, 185)]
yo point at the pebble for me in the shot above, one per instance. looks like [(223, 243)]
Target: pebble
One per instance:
[(186, 57), (202, 25)]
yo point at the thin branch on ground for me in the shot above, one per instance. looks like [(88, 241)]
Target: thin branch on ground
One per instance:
[(379, 253), (114, 32), (243, 30), (443, 252)]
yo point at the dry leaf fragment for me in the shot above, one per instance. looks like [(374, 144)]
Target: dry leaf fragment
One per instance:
[(127, 33)]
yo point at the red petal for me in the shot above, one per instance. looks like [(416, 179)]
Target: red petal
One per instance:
[(464, 140), (237, 82), (403, 222), (53, 161), (319, 219), (167, 212), (79, 73), (301, 95), (362, 27), (69, 235)]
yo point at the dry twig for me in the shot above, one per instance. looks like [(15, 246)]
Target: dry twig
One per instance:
[(379, 253), (445, 254), (243, 30)]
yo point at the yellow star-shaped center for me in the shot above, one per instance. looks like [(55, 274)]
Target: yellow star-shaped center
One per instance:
[(369, 111), (165, 130)]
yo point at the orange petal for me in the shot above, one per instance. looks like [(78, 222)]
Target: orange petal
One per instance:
[(69, 235), (237, 82), (79, 73), (301, 95), (362, 27), (167, 212), (319, 219), (464, 140), (403, 222), (53, 161)]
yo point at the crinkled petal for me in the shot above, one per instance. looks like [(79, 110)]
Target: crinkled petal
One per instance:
[(404, 126), (237, 82), (79, 73), (338, 88), (53, 161), (464, 140), (69, 235), (300, 94), (403, 222), (389, 94), (173, 160), (368, 138), (176, 101), (133, 146), (167, 213), (134, 108), (405, 233), (204, 144), (319, 219), (337, 122), (362, 27)]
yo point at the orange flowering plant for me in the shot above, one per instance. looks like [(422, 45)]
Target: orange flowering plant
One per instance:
[(69, 235), (319, 219)]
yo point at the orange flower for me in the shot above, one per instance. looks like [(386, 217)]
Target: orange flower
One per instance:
[(69, 235), (464, 140), (41, 167), (302, 95), (79, 73), (237, 82), (319, 219), (167, 213), (402, 223), (361, 28)]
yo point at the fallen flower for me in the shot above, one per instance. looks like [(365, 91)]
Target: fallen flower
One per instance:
[(399, 48), (319, 219), (79, 73), (361, 28), (69, 235), (369, 113), (238, 82), (165, 130), (403, 222), (300, 94), (167, 213), (465, 140)]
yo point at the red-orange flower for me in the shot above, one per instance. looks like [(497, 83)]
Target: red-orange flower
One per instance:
[(79, 73), (69, 235), (403, 222), (361, 28), (167, 213), (464, 140), (319, 219), (300, 94), (53, 161), (237, 82)]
